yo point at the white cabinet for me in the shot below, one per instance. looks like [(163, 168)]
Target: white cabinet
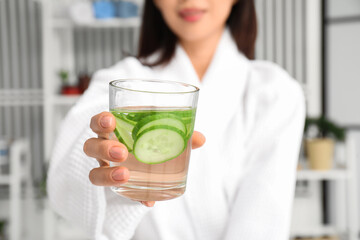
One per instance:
[(19, 173), (341, 201), (75, 47)]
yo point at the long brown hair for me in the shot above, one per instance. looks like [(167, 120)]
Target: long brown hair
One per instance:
[(156, 35)]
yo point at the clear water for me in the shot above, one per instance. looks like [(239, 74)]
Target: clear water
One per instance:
[(156, 182)]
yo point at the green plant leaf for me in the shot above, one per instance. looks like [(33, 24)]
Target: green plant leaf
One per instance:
[(64, 76), (326, 128)]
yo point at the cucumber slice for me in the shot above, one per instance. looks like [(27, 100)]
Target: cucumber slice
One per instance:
[(123, 132), (184, 113), (118, 136), (187, 120), (159, 119), (124, 124), (124, 117), (190, 130), (158, 144), (137, 116)]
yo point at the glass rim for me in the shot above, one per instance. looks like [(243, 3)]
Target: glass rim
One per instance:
[(112, 84)]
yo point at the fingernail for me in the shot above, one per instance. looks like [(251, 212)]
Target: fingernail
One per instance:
[(118, 175), (106, 121), (117, 152)]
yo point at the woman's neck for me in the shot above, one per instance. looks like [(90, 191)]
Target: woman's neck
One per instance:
[(201, 52)]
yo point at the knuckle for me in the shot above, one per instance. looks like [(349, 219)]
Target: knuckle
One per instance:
[(108, 178), (89, 146), (101, 177), (86, 146), (93, 122), (92, 176), (104, 146)]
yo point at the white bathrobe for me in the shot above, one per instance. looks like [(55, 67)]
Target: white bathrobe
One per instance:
[(240, 183)]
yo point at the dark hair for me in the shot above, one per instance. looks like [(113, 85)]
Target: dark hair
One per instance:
[(156, 35)]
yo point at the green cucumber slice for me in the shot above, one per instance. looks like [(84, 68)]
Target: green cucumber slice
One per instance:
[(118, 136), (124, 124), (189, 130), (123, 132), (158, 144), (137, 116), (184, 113), (187, 120), (159, 119), (123, 117)]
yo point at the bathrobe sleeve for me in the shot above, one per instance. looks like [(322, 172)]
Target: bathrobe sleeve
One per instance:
[(98, 211), (275, 109)]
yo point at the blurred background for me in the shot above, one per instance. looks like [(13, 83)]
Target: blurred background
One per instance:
[(49, 50)]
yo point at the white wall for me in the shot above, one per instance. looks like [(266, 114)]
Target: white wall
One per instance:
[(340, 8), (343, 62), (343, 66)]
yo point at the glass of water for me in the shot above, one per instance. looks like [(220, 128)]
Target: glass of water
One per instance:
[(155, 121)]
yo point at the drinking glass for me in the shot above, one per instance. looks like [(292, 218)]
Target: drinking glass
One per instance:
[(155, 121)]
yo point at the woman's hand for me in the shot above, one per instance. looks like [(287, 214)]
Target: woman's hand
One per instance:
[(105, 150)]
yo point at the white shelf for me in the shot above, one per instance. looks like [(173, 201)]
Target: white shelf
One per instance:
[(315, 232), (103, 23), (62, 100), (337, 174), (4, 179)]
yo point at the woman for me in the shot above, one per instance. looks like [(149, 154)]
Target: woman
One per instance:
[(240, 183)]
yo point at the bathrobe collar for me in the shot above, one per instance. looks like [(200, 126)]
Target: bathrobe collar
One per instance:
[(222, 85), (221, 97)]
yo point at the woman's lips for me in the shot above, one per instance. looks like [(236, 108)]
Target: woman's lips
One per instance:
[(191, 14)]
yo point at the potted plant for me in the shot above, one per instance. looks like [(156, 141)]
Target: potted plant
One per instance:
[(67, 89), (321, 135), (84, 81)]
